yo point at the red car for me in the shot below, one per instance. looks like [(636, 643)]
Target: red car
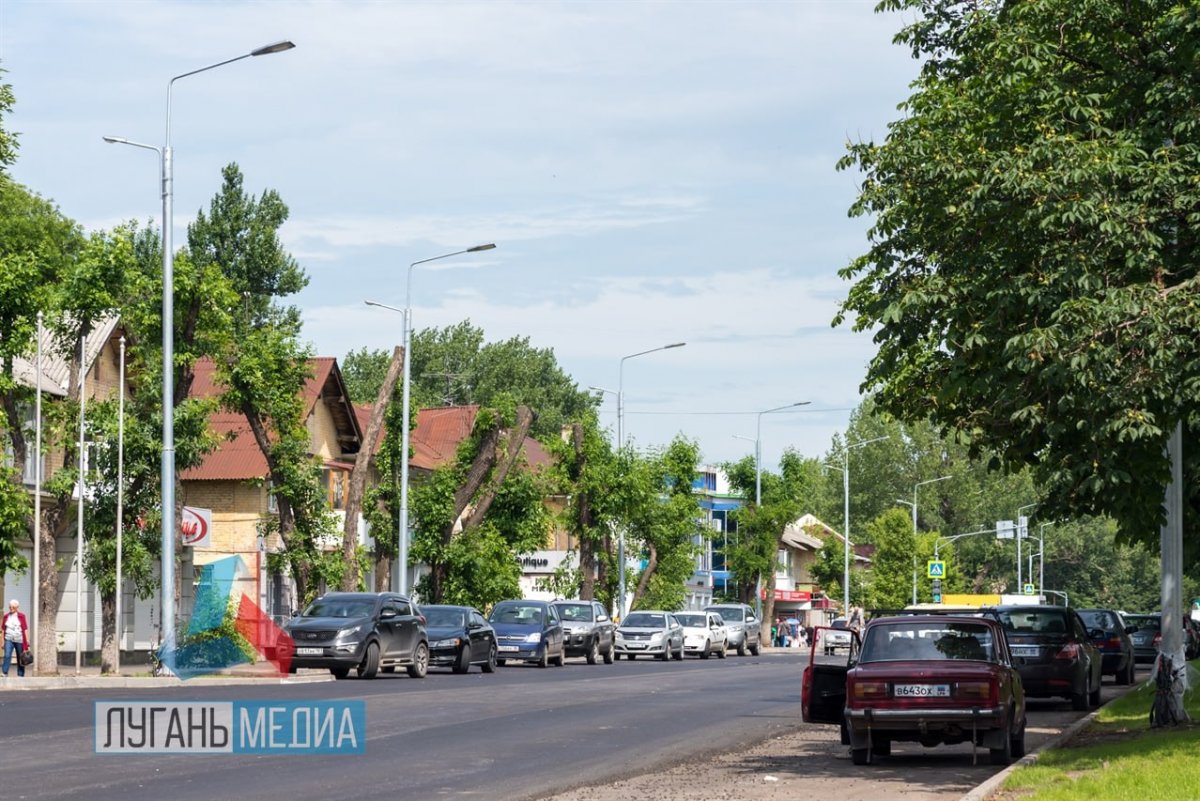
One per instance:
[(932, 679)]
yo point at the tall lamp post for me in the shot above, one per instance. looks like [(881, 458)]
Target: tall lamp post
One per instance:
[(758, 478), (402, 525), (168, 343), (913, 504), (1018, 539), (845, 468), (620, 446)]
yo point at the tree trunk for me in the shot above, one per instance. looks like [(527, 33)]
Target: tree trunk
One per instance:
[(383, 573), (644, 581), (583, 521), (108, 628), (513, 447), (768, 608), (358, 476)]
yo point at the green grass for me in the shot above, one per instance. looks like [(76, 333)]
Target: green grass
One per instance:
[(1119, 758)]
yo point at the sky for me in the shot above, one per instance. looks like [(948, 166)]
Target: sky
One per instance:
[(650, 172)]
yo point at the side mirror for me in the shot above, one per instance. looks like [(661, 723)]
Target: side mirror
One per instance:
[(601, 618), (474, 626), (751, 619), (388, 614)]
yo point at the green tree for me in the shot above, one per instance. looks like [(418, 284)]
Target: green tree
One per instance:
[(1032, 269), (8, 139), (363, 370)]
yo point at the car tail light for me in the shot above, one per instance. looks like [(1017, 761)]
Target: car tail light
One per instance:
[(974, 691), (869, 689), (1069, 651), (1114, 643)]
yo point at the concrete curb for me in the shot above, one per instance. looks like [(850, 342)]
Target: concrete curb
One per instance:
[(981, 792), (27, 683)]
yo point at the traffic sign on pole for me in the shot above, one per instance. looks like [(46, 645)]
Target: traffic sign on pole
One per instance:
[(1004, 529), (936, 569), (1029, 589)]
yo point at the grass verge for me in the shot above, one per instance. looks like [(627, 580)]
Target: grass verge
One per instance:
[(1118, 757)]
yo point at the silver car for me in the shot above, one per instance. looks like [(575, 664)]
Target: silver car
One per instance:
[(745, 630), (654, 632)]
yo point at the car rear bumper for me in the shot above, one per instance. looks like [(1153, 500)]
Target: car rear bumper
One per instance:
[(927, 719)]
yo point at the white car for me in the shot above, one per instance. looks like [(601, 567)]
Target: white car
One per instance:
[(704, 634), (837, 637)]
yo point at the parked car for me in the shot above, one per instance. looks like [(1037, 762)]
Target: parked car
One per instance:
[(529, 631), (932, 679), (1148, 637), (837, 636), (1110, 634), (653, 632), (459, 637), (362, 630), (588, 631), (1053, 652), (704, 634), (745, 630)]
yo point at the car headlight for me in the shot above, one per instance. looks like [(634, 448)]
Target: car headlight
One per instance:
[(449, 642), (350, 632), (658, 635), (535, 637), (620, 636)]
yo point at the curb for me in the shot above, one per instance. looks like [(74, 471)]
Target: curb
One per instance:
[(982, 791)]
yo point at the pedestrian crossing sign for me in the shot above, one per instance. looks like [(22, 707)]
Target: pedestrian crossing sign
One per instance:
[(937, 569), (1029, 589)]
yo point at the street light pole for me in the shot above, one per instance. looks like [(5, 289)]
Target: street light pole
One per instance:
[(402, 525), (167, 477), (917, 486), (845, 468), (1020, 586), (620, 449)]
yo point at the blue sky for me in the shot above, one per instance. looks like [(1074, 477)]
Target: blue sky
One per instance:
[(651, 172)]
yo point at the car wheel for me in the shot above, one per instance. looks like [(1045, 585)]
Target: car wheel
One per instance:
[(1130, 671), (1094, 696), (845, 734), (420, 665), (860, 756), (490, 665), (741, 647), (369, 666), (340, 673), (609, 656), (559, 660), (463, 663), (1079, 701), (1018, 741), (666, 654), (544, 659), (707, 652), (724, 649), (593, 653), (679, 653), (1003, 754), (754, 648)]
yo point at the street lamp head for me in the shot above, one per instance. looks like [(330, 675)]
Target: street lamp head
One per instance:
[(674, 345), (477, 248), (277, 47), (116, 140)]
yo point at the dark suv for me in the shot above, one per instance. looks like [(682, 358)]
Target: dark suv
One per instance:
[(1053, 652), (587, 630), (362, 630), (1110, 634)]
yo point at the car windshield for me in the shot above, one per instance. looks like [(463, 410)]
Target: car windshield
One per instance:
[(730, 613), (641, 620), (1144, 621), (520, 614), (691, 621), (1099, 619), (840, 623), (447, 618), (574, 611), (1034, 621), (929, 640), (339, 607)]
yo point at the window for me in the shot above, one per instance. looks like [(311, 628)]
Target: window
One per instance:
[(272, 501)]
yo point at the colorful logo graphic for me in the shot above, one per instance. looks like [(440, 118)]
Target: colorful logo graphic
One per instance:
[(218, 636)]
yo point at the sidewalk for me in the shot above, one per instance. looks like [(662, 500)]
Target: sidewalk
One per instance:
[(139, 676)]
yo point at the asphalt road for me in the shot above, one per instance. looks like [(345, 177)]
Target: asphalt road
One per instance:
[(520, 733)]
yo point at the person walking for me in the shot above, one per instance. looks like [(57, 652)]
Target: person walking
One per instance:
[(16, 637)]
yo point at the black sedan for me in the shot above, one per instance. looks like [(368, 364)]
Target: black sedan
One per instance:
[(1110, 634), (1054, 653), (459, 637)]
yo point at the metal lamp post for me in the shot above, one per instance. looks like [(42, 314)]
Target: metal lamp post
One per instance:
[(168, 343), (845, 468), (620, 393), (1018, 539), (402, 525), (917, 486)]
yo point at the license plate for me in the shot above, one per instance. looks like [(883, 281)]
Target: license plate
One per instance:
[(1024, 650), (309, 651), (922, 691), (507, 648), (635, 645)]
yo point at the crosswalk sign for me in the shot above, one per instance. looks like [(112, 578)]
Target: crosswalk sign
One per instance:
[(936, 569), (1029, 589)]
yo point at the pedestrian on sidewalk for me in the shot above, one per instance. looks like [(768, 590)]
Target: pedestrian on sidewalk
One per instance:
[(16, 636)]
